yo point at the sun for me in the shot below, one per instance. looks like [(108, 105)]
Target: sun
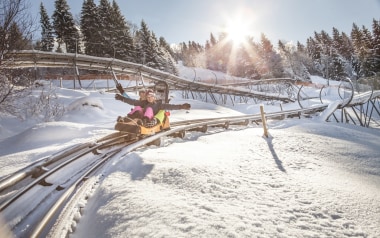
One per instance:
[(237, 30)]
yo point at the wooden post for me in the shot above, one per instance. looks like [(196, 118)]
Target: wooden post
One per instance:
[(263, 119)]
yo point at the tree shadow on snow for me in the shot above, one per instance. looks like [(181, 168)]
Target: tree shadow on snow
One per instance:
[(274, 154)]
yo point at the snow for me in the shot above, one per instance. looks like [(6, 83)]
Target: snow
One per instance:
[(309, 178)]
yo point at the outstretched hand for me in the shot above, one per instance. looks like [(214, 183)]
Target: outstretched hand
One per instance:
[(186, 106), (119, 97)]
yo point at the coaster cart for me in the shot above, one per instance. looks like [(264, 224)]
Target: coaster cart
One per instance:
[(137, 130)]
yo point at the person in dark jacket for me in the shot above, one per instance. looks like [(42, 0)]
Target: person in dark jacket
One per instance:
[(151, 106), (137, 111)]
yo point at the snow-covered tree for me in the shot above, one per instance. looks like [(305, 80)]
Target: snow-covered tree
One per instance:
[(90, 28), (148, 48), (376, 45), (64, 27), (122, 40), (47, 32), (293, 58), (270, 65), (107, 36), (168, 55)]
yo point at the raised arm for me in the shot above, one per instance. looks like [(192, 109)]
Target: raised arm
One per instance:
[(129, 101), (167, 106)]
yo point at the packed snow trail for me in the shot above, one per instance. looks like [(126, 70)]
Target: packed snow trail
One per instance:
[(289, 185)]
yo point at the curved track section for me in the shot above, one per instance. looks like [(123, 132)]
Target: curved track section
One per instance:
[(33, 59), (33, 198)]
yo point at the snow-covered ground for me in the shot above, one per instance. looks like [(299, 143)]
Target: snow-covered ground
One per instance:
[(310, 178)]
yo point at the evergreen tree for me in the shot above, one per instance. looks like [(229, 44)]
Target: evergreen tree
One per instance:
[(242, 65), (270, 64), (376, 45), (182, 49), (250, 60), (123, 41), (369, 61), (287, 52), (300, 47), (169, 56), (212, 40), (147, 47), (342, 43), (166, 46), (159, 58), (224, 49), (362, 42), (47, 33), (190, 54), (15, 38), (15, 28), (338, 62), (305, 62), (356, 37), (211, 53), (64, 27), (90, 27), (313, 49), (106, 29)]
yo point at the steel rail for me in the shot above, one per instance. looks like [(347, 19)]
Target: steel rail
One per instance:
[(125, 148), (19, 175), (32, 59), (23, 173), (59, 204), (35, 167)]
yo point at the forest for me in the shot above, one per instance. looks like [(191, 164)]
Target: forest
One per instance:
[(103, 31)]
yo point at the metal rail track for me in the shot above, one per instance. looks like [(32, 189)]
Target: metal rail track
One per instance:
[(33, 197), (33, 59), (42, 187)]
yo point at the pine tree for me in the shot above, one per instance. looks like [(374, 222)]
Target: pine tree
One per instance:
[(212, 53), (342, 43), (338, 62), (182, 48), (64, 27), (356, 37), (147, 47), (169, 56), (165, 44), (90, 27), (313, 49), (287, 52), (362, 42), (108, 38), (15, 38), (250, 60), (123, 41), (212, 40), (47, 37), (305, 62), (162, 58), (376, 44), (369, 62), (224, 49), (270, 64)]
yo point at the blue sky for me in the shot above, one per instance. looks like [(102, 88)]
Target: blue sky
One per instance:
[(290, 20)]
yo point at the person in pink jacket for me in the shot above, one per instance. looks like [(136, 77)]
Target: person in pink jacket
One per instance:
[(150, 106)]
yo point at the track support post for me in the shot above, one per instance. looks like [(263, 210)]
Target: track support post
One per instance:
[(263, 119)]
